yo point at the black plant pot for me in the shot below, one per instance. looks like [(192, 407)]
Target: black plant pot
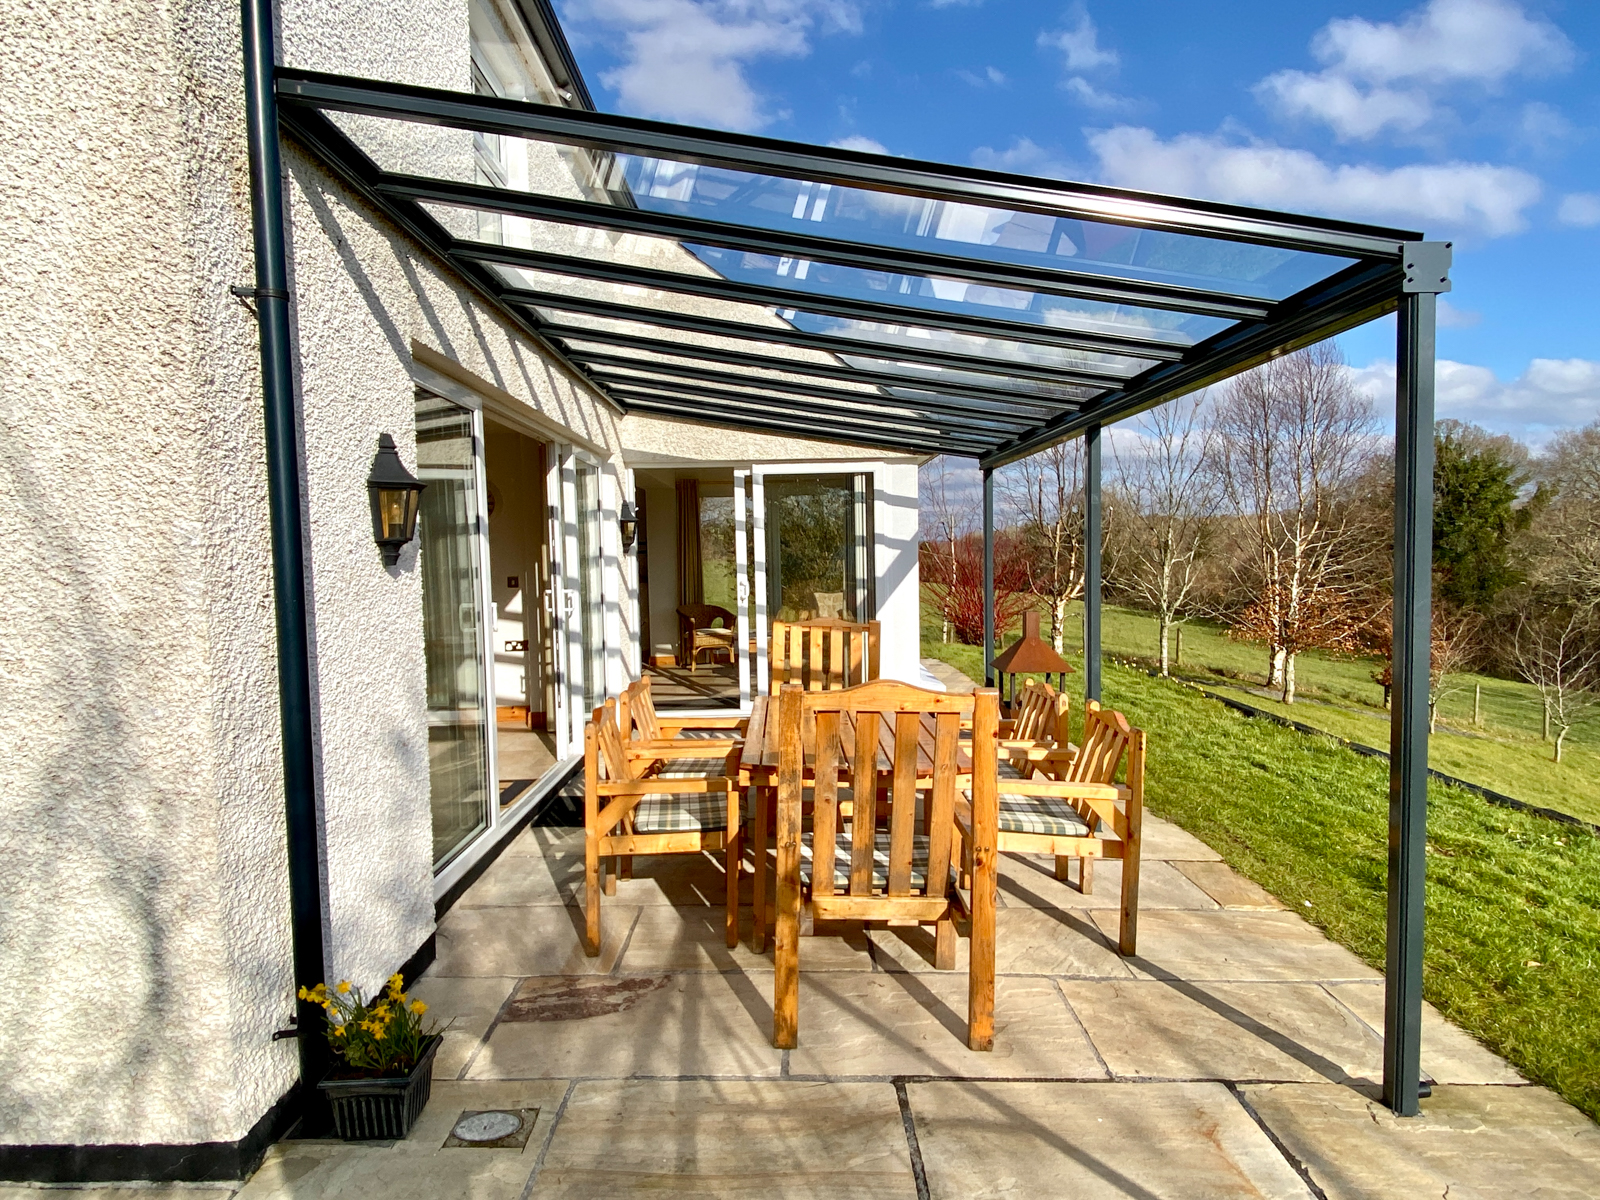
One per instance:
[(367, 1110)]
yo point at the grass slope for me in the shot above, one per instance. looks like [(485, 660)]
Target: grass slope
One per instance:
[(1512, 942), (1338, 695)]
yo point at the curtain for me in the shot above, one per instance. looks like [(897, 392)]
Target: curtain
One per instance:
[(691, 588)]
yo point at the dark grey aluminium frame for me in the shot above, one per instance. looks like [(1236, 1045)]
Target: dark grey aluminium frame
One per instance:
[(983, 414)]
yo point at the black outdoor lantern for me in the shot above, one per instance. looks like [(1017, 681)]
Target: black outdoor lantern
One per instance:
[(395, 493), (628, 522)]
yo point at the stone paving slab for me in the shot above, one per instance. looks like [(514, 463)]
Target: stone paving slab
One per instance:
[(1094, 1142), (902, 1024), (1161, 839), (695, 939), (1029, 881), (1027, 942), (527, 940), (729, 1139), (420, 1166), (1227, 887), (1469, 1143), (465, 1006), (1184, 1030), (621, 1026), (1235, 945), (136, 1191), (1449, 1054)]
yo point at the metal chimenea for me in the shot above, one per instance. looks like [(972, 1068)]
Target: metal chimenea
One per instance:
[(1030, 654)]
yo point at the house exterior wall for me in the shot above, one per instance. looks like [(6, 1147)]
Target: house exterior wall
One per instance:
[(144, 882)]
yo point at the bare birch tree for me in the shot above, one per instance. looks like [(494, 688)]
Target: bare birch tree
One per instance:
[(946, 517), (1559, 654), (1290, 436), (1168, 500), (1044, 494)]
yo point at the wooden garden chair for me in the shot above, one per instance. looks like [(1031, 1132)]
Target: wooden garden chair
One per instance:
[(902, 873), (637, 802), (823, 655), (636, 714), (1082, 814), (1036, 736)]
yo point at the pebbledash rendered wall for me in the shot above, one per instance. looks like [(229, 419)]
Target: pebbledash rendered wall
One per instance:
[(143, 880), (143, 872)]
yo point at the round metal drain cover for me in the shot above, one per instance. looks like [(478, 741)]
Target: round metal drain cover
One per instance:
[(487, 1126)]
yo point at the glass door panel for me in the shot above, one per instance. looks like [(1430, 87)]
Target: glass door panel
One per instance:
[(818, 538), (460, 712), (591, 603)]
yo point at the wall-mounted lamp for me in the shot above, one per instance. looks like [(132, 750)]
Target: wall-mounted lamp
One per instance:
[(395, 494), (628, 522)]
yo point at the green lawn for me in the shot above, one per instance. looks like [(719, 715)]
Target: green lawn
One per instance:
[(1512, 945), (1337, 694)]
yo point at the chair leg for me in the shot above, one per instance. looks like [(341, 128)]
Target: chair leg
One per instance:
[(1128, 929), (611, 875), (591, 896), (625, 866), (731, 860), (1064, 867), (944, 944), (786, 954), (980, 966), (758, 886)]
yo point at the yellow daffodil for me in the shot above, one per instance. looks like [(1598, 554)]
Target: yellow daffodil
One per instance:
[(418, 1007), (344, 987)]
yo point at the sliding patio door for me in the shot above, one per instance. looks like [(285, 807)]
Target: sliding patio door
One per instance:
[(581, 605), (452, 527), (811, 548)]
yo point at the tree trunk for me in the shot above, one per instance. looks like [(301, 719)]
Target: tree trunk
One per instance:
[(1544, 734), (1058, 623), (1560, 737), (1433, 716), (1275, 658), (1288, 679), (1163, 625)]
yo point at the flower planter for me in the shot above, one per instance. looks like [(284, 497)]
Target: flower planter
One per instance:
[(381, 1109)]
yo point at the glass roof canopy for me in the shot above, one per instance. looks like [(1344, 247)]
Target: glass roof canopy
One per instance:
[(832, 294)]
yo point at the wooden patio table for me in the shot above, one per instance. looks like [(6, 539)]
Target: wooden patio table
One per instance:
[(758, 769)]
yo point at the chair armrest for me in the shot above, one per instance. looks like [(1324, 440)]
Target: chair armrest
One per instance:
[(687, 748), (671, 786), (739, 723)]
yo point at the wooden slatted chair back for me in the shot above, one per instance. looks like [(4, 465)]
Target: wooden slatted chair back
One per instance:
[(878, 717), (613, 761), (823, 655), (636, 712), (1106, 734), (1041, 714)]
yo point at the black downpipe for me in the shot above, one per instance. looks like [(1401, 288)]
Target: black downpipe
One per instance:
[(288, 544)]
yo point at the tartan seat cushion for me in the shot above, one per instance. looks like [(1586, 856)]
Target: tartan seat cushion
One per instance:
[(1048, 815), (880, 861), (707, 734), (682, 812), (1008, 770), (691, 768)]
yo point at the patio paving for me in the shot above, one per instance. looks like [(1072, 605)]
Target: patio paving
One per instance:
[(1237, 1056)]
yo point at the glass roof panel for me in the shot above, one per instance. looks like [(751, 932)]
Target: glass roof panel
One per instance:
[(808, 277), (571, 325), (746, 201), (897, 380), (643, 300)]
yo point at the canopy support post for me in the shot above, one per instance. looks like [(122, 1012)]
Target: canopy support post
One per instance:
[(1092, 529), (988, 578), (1427, 273)]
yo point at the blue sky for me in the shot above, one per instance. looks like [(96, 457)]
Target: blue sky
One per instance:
[(1472, 120)]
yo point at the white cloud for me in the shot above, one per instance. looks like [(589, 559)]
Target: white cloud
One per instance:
[(1080, 45), (1444, 197), (1551, 395), (1023, 157), (1354, 113), (685, 60), (1086, 93), (991, 77), (1442, 44), (856, 142), (1579, 208), (1451, 317)]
